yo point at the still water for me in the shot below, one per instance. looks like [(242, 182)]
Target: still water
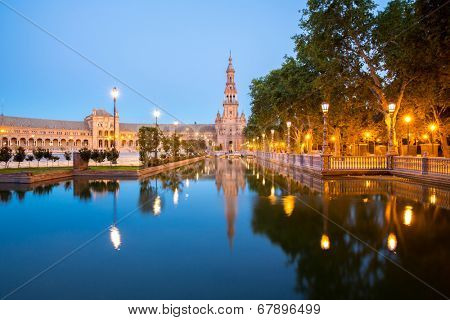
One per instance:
[(225, 229)]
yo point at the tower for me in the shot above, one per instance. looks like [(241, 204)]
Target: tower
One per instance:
[(230, 126)]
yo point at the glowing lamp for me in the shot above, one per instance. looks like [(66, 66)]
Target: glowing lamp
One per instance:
[(114, 93), (288, 124), (325, 107), (391, 107), (325, 242)]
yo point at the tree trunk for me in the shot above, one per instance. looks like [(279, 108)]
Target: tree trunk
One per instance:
[(337, 142), (442, 132)]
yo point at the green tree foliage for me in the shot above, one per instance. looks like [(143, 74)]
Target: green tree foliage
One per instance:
[(5, 155), (68, 156), (85, 154), (112, 155), (98, 156), (149, 139), (29, 159), (48, 155), (359, 60), (19, 155), (38, 154)]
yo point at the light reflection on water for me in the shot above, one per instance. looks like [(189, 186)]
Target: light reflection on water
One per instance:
[(226, 229)]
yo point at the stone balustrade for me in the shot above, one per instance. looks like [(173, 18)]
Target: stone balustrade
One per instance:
[(433, 167)]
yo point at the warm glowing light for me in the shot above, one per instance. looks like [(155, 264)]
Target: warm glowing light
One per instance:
[(114, 93), (187, 183), (367, 184), (392, 242), (325, 242), (263, 135), (288, 204), (365, 200), (157, 206), (407, 119), (333, 138), (272, 197), (407, 215), (257, 176), (114, 235), (433, 199), (432, 127), (325, 107), (288, 124), (391, 107), (156, 113), (272, 131), (367, 134), (307, 136), (425, 136), (264, 181), (175, 196)]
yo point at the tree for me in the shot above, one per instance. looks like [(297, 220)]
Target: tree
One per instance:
[(5, 155), (48, 155), (67, 156), (29, 159), (175, 147), (38, 154), (98, 156), (149, 139), (19, 156), (85, 154), (112, 156), (166, 144), (54, 158)]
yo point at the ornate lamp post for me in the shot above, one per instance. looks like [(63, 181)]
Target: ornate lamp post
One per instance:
[(156, 114), (325, 148), (391, 148), (408, 120), (288, 124), (115, 94)]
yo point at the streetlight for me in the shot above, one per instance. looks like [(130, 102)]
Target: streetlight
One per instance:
[(325, 149), (175, 123), (288, 124), (156, 114), (391, 149), (432, 128), (407, 119), (115, 94)]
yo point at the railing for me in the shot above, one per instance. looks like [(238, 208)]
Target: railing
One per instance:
[(420, 166), (358, 163)]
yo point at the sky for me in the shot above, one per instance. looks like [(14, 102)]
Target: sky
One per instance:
[(174, 53)]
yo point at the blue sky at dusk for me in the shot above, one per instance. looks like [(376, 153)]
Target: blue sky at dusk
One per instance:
[(174, 52)]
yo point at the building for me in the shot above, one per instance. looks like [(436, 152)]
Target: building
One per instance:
[(230, 126), (96, 131)]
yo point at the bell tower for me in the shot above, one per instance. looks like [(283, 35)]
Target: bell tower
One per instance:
[(230, 102)]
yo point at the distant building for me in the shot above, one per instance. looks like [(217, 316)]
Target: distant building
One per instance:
[(96, 131), (230, 126)]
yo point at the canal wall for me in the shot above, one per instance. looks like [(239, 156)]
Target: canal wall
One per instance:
[(30, 178)]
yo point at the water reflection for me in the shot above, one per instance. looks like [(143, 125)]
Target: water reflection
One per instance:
[(405, 220), (295, 211)]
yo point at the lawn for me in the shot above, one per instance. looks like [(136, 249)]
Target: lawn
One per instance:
[(34, 170), (114, 168)]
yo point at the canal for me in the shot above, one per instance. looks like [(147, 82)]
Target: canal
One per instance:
[(225, 229)]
